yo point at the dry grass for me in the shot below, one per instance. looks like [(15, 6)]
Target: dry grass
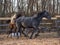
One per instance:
[(25, 41)]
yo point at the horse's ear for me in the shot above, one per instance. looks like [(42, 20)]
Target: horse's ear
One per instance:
[(46, 11)]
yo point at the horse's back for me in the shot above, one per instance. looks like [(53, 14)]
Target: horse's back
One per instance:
[(23, 18)]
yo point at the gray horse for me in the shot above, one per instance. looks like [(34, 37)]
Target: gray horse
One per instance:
[(31, 22)]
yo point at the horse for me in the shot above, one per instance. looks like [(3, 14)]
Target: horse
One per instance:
[(31, 22), (12, 25)]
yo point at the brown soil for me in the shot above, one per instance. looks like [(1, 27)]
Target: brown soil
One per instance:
[(26, 41)]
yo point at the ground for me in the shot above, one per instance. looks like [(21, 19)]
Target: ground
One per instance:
[(26, 41)]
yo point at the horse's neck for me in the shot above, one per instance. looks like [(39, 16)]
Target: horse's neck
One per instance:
[(12, 18), (39, 18)]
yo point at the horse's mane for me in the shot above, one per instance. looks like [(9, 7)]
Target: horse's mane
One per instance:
[(40, 13), (18, 15)]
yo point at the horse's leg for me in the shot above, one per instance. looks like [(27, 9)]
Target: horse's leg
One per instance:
[(27, 31), (32, 34), (18, 25), (37, 33), (35, 29), (20, 30), (24, 33), (15, 29), (10, 31)]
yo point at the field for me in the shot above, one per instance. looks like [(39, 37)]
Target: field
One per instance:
[(43, 39)]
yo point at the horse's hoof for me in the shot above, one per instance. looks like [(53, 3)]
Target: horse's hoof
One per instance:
[(30, 37), (7, 36), (36, 35), (17, 37)]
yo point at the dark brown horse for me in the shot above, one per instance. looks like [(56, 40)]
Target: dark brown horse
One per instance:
[(12, 24)]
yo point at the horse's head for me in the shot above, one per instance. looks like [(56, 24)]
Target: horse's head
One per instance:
[(13, 18), (45, 14), (18, 15)]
